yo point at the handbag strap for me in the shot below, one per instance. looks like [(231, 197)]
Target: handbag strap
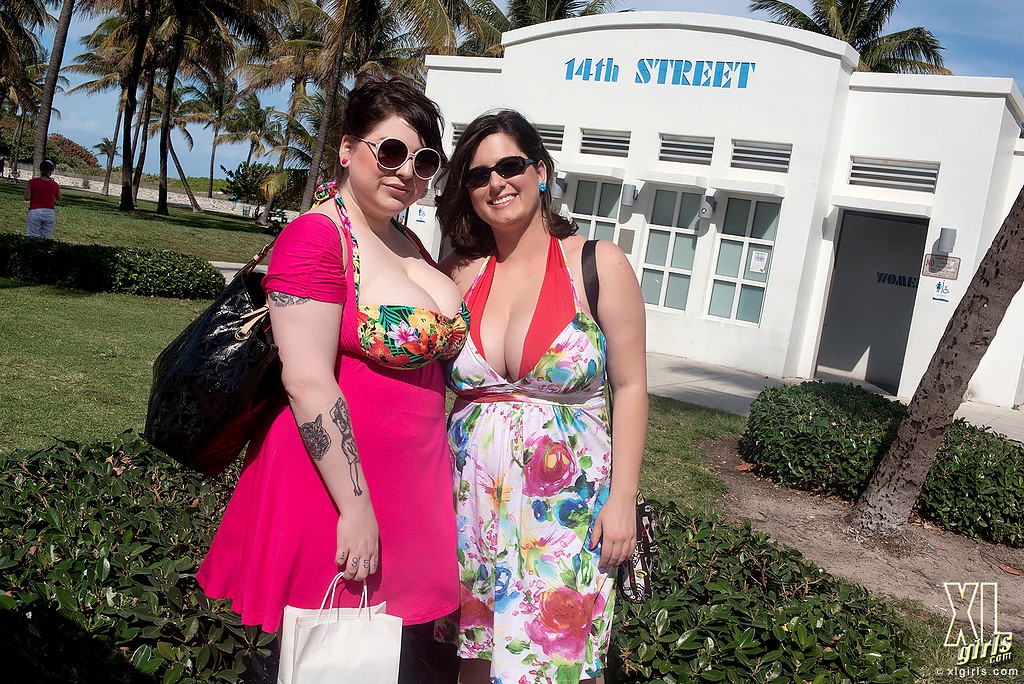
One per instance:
[(591, 283), (256, 259)]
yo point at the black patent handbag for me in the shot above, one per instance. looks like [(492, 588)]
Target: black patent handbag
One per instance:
[(214, 385)]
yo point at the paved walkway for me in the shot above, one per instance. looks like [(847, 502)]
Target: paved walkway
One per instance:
[(732, 390)]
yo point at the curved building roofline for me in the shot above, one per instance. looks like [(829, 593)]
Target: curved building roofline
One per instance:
[(709, 23)]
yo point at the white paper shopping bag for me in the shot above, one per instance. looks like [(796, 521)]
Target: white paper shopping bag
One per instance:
[(340, 645)]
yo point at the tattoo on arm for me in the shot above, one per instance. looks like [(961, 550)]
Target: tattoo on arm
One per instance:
[(282, 299), (340, 416), (315, 438)]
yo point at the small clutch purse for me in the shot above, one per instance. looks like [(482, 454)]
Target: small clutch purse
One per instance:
[(635, 575)]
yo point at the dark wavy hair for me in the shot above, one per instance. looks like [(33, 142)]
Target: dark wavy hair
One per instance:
[(373, 100), (467, 233)]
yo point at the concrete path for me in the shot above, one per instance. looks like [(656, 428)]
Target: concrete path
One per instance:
[(732, 390)]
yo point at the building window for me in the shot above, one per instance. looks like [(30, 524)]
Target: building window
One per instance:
[(745, 246), (671, 244), (595, 210)]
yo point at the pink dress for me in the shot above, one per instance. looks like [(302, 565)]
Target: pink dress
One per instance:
[(277, 541)]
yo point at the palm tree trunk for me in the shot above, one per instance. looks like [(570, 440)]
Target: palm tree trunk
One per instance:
[(890, 496), (143, 134), (165, 116), (252, 148), (213, 155), (50, 84), (196, 209), (17, 143), (331, 92), (113, 152), (265, 214), (131, 84)]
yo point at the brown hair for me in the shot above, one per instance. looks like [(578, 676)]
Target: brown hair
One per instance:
[(468, 234), (374, 100)]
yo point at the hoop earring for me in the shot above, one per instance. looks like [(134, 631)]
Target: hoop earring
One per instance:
[(543, 186)]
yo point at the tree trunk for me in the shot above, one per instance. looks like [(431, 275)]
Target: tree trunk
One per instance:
[(17, 144), (165, 116), (265, 214), (331, 93), (885, 505), (213, 155), (252, 148), (143, 134), (113, 152), (196, 209), (130, 85), (60, 37)]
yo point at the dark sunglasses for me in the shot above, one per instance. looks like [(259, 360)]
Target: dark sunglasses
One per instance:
[(509, 167), (392, 154)]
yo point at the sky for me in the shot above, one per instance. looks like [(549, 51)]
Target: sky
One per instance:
[(981, 37)]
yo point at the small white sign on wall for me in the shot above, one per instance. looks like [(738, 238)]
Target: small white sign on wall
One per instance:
[(940, 293), (758, 261)]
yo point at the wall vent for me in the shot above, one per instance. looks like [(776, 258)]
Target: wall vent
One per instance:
[(553, 136), (762, 156), (609, 143), (457, 131), (686, 150), (894, 174)]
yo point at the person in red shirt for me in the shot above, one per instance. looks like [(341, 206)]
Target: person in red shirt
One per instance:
[(41, 194)]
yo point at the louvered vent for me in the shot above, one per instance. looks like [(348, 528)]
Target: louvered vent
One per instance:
[(890, 173), (458, 130), (553, 136), (609, 143), (761, 155), (686, 150)]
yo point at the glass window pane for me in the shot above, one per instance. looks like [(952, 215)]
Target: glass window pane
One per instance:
[(759, 260), (751, 299), (766, 220), (604, 231), (682, 252), (626, 237), (586, 193), (664, 206), (650, 285), (586, 227), (729, 255), (677, 291), (721, 299), (689, 211), (736, 217), (657, 247), (609, 205)]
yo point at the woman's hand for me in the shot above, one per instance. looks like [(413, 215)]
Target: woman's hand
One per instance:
[(615, 529), (358, 553)]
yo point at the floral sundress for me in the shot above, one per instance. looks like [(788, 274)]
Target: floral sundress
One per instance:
[(533, 468)]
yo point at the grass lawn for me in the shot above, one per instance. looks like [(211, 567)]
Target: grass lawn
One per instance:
[(90, 218)]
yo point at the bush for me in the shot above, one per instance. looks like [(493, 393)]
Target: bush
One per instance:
[(67, 154), (828, 438), (730, 606), (100, 544), (99, 268)]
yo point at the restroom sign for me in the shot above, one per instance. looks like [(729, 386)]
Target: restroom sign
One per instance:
[(941, 266)]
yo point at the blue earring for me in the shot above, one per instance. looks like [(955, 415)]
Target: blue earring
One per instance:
[(543, 186)]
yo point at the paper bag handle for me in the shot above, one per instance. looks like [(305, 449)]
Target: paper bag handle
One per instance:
[(328, 601)]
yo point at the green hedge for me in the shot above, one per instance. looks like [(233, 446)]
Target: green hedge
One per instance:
[(731, 606), (828, 437), (99, 268), (99, 544)]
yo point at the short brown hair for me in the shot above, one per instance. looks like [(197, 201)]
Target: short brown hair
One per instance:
[(468, 234)]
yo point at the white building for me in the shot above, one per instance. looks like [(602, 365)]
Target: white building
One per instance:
[(783, 212)]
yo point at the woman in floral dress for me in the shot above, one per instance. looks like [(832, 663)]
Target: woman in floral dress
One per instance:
[(545, 506)]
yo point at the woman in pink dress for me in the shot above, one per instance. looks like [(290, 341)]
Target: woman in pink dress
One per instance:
[(353, 474)]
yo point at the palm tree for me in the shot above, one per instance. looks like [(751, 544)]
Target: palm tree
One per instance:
[(108, 148), (19, 22), (210, 102), (212, 25), (860, 23), (50, 84), (251, 122), (530, 12)]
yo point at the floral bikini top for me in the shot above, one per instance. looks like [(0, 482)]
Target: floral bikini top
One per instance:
[(399, 336)]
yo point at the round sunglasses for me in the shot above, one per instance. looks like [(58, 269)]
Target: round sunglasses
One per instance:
[(392, 154), (508, 167)]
